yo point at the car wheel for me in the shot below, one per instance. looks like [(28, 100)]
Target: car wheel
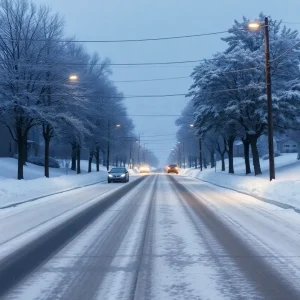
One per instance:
[(108, 181)]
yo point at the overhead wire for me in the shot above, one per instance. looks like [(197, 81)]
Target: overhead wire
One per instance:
[(143, 80), (285, 53), (125, 40), (151, 96)]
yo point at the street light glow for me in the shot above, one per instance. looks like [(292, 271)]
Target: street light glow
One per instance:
[(118, 125), (192, 125), (73, 77), (254, 25)]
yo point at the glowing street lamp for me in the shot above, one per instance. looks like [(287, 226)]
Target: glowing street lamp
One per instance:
[(73, 77), (254, 25), (192, 125)]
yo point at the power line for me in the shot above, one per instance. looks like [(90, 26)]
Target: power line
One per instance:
[(142, 80), (150, 80), (156, 63), (285, 52), (290, 22), (149, 96), (184, 77), (125, 40)]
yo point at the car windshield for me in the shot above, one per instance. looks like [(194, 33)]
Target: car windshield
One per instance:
[(118, 170), (172, 166)]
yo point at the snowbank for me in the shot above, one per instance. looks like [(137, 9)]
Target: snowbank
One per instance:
[(285, 189), (36, 185)]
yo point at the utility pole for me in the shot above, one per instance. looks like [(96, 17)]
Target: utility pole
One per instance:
[(269, 100), (183, 154), (265, 26), (144, 153), (108, 145), (130, 156), (139, 151)]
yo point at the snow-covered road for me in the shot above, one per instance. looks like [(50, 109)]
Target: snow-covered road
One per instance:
[(26, 222), (173, 237)]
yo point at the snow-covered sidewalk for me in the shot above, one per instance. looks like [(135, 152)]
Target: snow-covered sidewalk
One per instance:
[(34, 186), (285, 189)]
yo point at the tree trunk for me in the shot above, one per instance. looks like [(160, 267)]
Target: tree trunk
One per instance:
[(212, 160), (256, 163), (196, 162), (204, 162), (230, 155), (25, 153), (78, 159), (98, 159), (47, 150), (201, 154), (74, 154), (247, 155), (47, 139), (223, 161), (107, 156), (20, 154), (90, 161)]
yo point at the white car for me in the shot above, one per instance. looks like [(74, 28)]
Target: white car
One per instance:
[(118, 175)]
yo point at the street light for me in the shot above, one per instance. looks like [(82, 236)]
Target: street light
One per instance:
[(192, 125), (108, 142), (258, 26), (139, 150), (73, 77)]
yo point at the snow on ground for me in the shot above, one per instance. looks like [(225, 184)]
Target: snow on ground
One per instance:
[(36, 185), (285, 189)]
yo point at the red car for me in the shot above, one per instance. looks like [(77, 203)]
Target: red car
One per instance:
[(172, 169)]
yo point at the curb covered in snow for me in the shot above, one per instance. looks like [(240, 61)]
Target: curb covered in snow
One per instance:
[(277, 203), (48, 195)]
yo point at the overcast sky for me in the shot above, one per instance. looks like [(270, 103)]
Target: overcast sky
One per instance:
[(135, 19)]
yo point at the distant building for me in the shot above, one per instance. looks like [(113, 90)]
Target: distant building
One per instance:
[(287, 145)]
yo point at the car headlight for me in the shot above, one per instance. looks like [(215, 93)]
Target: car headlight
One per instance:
[(123, 175), (109, 175)]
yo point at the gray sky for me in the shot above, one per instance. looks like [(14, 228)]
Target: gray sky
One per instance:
[(134, 19)]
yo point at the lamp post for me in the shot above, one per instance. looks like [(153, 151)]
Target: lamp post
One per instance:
[(139, 150), (108, 143), (144, 153), (257, 26)]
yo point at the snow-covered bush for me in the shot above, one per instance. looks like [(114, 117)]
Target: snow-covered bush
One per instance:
[(276, 154), (40, 161)]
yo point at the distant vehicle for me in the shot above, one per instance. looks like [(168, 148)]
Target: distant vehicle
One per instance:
[(172, 169), (144, 169), (118, 175)]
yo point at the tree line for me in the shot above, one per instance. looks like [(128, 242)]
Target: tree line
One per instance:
[(228, 94), (50, 82)]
